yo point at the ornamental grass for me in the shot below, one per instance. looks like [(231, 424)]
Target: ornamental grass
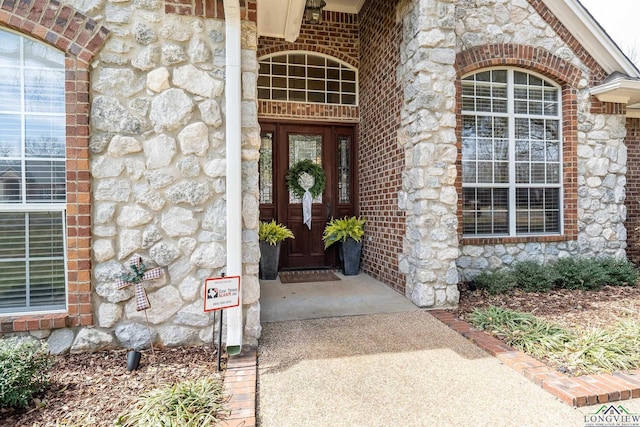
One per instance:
[(582, 352), (195, 403)]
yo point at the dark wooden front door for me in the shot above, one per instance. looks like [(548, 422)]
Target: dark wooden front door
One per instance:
[(331, 147)]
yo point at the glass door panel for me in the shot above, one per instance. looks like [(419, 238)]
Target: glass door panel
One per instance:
[(302, 147)]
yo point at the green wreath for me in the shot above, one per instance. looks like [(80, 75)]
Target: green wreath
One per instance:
[(306, 165)]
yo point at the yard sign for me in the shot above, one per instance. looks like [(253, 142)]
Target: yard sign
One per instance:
[(222, 292)]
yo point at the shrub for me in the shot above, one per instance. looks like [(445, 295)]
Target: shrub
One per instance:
[(584, 274), (188, 403), (23, 371), (496, 282), (620, 272), (568, 273), (533, 277)]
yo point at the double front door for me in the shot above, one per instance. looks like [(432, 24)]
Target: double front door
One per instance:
[(332, 147)]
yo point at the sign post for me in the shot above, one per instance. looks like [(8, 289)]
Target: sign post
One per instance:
[(220, 293)]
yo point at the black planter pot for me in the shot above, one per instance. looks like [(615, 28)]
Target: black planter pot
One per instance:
[(133, 360), (350, 252), (269, 260)]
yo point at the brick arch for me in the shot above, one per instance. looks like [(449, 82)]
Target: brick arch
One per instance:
[(309, 48), (527, 57), (80, 38), (56, 24)]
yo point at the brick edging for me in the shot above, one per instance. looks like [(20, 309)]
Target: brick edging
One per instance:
[(576, 391), (240, 384)]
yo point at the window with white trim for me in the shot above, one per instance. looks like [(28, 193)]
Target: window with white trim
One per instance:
[(32, 176), (511, 154), (307, 77)]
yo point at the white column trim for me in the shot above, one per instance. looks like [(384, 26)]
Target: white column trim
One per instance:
[(233, 102)]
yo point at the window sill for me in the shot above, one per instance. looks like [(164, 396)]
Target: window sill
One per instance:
[(33, 322), (512, 240)]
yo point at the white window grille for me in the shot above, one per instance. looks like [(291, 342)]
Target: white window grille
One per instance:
[(511, 154), (32, 176), (305, 77)]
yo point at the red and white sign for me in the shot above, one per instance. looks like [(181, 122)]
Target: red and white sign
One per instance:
[(222, 292)]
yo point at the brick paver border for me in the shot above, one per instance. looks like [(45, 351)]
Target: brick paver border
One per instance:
[(576, 391), (240, 385)]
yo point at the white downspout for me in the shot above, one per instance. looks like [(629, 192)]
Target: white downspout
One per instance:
[(233, 99)]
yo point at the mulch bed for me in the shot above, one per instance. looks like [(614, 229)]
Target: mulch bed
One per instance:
[(94, 389), (571, 309)]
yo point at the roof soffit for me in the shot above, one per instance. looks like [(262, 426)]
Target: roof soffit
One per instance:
[(282, 18)]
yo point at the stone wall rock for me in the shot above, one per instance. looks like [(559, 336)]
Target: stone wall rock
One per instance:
[(60, 341), (134, 336), (90, 340), (158, 162), (158, 169)]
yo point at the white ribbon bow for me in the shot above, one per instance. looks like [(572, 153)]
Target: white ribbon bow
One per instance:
[(307, 200)]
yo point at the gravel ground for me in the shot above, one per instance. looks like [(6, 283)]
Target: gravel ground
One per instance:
[(401, 369)]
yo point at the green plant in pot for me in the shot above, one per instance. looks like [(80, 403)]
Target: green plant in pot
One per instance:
[(348, 231), (271, 234)]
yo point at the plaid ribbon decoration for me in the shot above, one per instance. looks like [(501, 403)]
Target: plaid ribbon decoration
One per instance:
[(142, 301)]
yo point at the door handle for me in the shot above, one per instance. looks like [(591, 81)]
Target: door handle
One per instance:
[(328, 211)]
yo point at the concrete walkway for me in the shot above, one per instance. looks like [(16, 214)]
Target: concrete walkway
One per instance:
[(349, 296), (395, 369)]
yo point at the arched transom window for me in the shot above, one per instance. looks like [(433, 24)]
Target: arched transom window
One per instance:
[(307, 77), (511, 154)]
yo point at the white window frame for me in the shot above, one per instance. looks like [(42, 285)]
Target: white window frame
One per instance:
[(342, 66), (24, 206), (512, 185)]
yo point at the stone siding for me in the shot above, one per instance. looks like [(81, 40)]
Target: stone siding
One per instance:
[(593, 134), (157, 162), (158, 165), (490, 22), (428, 137), (152, 152)]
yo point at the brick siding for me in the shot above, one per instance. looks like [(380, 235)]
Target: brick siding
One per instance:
[(370, 42), (336, 35), (302, 110), (79, 37), (598, 107), (210, 8), (633, 189), (381, 160)]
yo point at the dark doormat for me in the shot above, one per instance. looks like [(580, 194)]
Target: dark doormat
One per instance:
[(307, 276)]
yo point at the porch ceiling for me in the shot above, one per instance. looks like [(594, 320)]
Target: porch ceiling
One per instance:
[(282, 18)]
